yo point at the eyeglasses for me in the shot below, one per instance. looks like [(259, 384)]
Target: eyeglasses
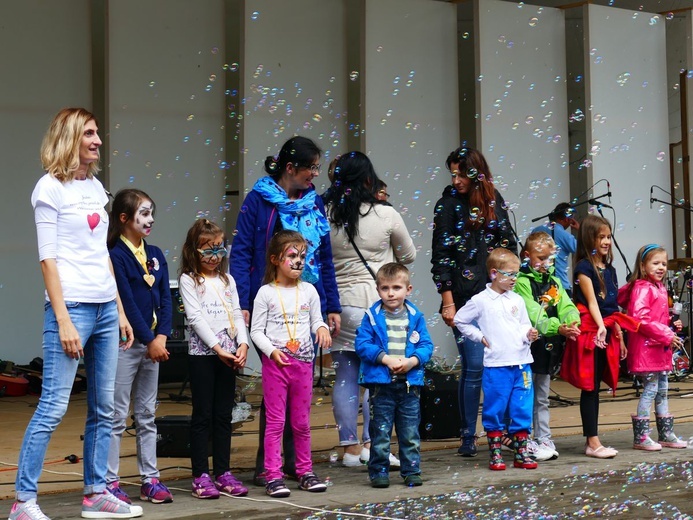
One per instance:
[(218, 252), (383, 193), (509, 274), (314, 168)]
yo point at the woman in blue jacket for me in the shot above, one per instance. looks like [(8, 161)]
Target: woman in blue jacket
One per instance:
[(285, 199)]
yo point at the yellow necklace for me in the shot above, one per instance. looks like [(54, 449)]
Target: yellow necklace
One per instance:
[(293, 344)]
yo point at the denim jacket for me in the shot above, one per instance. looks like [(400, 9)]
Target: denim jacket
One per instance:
[(372, 342)]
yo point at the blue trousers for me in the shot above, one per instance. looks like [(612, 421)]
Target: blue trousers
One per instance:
[(508, 391), (469, 390), (398, 405)]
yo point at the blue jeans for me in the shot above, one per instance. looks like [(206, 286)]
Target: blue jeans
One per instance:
[(345, 398), (396, 404), (97, 325), (469, 390)]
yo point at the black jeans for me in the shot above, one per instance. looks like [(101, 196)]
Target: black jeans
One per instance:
[(213, 388), (589, 401)]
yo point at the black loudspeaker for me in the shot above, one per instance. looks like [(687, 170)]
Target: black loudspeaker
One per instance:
[(440, 413), (173, 436)]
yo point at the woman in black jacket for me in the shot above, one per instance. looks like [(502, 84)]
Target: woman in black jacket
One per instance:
[(470, 220)]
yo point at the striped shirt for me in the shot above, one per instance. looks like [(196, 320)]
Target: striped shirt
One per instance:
[(397, 325)]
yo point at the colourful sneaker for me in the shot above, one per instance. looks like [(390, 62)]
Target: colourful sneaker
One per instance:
[(231, 485), (28, 510), (277, 489), (310, 482), (155, 492), (105, 505), (114, 489), (203, 487)]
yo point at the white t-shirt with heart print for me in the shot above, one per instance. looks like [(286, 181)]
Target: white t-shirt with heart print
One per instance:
[(71, 227)]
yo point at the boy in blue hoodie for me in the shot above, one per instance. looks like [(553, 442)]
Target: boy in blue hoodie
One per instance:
[(393, 344)]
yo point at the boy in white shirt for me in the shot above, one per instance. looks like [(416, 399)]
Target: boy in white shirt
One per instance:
[(506, 333)]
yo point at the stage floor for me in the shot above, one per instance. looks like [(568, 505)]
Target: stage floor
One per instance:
[(61, 476)]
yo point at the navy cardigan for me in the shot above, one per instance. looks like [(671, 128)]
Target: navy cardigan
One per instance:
[(140, 300)]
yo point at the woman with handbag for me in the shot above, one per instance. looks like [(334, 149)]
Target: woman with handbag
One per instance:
[(366, 233)]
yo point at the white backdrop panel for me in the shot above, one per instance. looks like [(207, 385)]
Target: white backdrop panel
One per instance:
[(522, 102), (43, 70), (628, 130), (166, 102), (412, 121), (294, 86)]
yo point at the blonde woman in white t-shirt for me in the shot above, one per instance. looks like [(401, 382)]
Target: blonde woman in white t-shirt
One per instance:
[(360, 222), (84, 318)]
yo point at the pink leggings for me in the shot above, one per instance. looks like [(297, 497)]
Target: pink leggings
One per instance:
[(290, 386)]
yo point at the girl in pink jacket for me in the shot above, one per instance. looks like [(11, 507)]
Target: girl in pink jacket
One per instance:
[(650, 349)]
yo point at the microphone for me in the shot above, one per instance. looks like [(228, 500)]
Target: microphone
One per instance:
[(651, 200), (608, 189), (595, 202)]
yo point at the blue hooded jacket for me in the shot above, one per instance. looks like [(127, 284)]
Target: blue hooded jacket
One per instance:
[(372, 341)]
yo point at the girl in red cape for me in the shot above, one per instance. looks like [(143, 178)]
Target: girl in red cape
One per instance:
[(596, 354)]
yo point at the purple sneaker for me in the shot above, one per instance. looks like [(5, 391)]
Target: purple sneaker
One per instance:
[(203, 487), (115, 490), (231, 485), (155, 492)]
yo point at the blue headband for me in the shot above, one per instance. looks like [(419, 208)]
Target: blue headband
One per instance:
[(647, 249)]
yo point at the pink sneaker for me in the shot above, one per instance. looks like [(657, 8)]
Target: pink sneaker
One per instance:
[(203, 487), (155, 492), (114, 489), (231, 485)]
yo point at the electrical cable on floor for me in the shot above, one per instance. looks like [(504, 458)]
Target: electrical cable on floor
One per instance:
[(285, 502)]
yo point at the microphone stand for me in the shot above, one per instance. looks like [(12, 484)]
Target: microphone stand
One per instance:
[(573, 206), (618, 248)]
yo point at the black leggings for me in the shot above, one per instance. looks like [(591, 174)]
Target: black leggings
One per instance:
[(213, 389), (589, 401)]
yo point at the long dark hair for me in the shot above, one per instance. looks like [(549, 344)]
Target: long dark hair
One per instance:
[(125, 202), (482, 194), (299, 151), (190, 259), (587, 245), (354, 185)]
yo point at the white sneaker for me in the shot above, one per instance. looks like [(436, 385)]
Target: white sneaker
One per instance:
[(351, 461), (28, 510), (538, 451), (366, 455), (548, 443)]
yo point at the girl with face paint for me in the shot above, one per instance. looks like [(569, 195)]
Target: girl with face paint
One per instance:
[(217, 348), (286, 315), (142, 276)]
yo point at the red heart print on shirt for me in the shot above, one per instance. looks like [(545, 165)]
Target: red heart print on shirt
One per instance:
[(93, 220)]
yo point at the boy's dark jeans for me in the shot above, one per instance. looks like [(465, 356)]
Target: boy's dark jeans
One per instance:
[(398, 405)]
